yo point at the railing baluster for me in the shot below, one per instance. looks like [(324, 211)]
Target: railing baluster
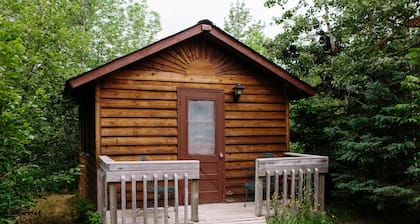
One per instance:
[(300, 185), (308, 185), (293, 188), (155, 197), (113, 202), (144, 199), (316, 189), (165, 197), (176, 198), (194, 200), (123, 200), (185, 198), (285, 188), (276, 182), (133, 199), (267, 191)]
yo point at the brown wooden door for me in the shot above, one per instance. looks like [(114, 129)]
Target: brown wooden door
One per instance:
[(201, 137)]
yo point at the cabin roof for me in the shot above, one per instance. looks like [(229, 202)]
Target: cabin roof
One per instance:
[(297, 88)]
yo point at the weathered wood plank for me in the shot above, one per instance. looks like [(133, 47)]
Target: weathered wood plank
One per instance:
[(139, 141), (254, 115), (255, 140), (256, 148), (138, 131), (231, 165), (138, 122), (139, 150), (246, 156), (250, 98), (137, 94), (255, 123), (254, 107), (138, 113), (238, 174), (148, 104)]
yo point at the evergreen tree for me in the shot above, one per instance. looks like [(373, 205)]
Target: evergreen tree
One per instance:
[(366, 113)]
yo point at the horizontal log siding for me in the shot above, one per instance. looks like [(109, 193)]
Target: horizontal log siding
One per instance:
[(87, 179), (139, 109)]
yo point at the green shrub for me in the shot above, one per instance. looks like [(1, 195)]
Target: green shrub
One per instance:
[(85, 211), (299, 213)]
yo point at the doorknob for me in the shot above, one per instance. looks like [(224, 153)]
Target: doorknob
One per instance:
[(221, 155)]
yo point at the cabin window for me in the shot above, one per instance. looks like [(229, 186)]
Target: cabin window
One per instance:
[(200, 123), (201, 127)]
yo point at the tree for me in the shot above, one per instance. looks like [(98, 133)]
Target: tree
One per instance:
[(42, 44), (241, 25), (365, 115)]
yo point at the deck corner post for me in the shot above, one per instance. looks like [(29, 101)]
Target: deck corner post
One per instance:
[(113, 202), (194, 199), (258, 190)]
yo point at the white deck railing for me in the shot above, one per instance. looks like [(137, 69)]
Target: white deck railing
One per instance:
[(302, 178), (112, 173)]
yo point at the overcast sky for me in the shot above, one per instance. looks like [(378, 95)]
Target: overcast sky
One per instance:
[(176, 15)]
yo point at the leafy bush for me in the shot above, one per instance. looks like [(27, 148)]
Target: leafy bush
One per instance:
[(85, 211), (300, 213)]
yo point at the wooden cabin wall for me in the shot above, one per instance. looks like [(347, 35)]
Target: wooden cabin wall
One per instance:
[(138, 109)]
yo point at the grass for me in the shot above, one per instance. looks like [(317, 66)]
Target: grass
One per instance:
[(61, 209), (53, 209)]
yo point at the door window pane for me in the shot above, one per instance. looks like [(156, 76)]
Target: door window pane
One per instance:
[(201, 127)]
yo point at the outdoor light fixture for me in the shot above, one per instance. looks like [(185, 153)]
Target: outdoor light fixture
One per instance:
[(237, 92)]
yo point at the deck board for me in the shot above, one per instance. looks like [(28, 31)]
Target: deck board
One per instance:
[(232, 213)]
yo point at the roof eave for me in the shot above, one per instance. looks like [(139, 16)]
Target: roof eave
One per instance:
[(201, 27)]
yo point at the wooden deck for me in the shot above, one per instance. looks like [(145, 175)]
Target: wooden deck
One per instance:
[(232, 213)]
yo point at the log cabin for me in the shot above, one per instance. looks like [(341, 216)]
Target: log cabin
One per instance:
[(198, 94)]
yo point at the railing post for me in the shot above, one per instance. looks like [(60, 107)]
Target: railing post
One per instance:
[(101, 195), (258, 191), (113, 202), (194, 199)]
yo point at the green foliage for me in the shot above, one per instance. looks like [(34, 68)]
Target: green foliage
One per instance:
[(241, 25), (42, 44), (365, 115), (85, 211), (93, 217), (301, 213)]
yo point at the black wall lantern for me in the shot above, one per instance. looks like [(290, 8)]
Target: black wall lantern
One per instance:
[(237, 92)]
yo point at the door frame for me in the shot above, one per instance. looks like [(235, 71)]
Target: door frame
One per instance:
[(185, 94)]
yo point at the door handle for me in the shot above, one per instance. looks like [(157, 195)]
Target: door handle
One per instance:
[(221, 155)]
